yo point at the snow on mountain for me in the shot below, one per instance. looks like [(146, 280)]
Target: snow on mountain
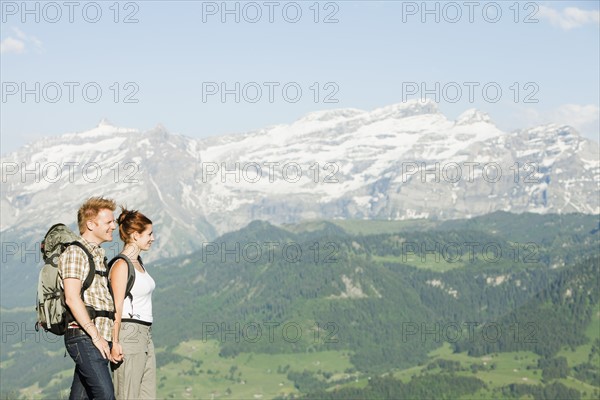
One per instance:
[(45, 183), (396, 162), (472, 116)]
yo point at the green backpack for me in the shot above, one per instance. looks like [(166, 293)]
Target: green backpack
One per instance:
[(53, 314)]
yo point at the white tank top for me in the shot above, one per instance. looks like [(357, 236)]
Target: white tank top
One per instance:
[(141, 306)]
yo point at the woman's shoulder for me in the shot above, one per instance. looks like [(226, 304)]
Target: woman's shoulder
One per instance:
[(120, 262)]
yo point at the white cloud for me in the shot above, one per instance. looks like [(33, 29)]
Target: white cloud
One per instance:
[(11, 45), (18, 45), (584, 118), (577, 115), (20, 34), (570, 17)]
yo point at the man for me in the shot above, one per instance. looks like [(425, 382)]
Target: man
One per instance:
[(89, 335)]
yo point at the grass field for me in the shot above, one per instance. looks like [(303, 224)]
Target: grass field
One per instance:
[(502, 369), (63, 380), (507, 368), (431, 262), (205, 375)]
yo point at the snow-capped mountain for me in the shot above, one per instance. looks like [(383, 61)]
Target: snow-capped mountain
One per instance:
[(397, 162), (45, 182), (401, 161)]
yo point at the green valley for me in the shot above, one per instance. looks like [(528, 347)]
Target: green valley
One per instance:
[(498, 306)]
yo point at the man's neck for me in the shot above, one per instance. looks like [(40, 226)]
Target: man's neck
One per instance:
[(92, 239)]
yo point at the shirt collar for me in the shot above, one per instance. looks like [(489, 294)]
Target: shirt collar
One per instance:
[(92, 247)]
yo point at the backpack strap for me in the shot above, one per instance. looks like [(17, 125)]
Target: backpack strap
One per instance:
[(90, 276), (130, 272), (93, 313)]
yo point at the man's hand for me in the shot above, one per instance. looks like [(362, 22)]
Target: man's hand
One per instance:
[(102, 345), (75, 303)]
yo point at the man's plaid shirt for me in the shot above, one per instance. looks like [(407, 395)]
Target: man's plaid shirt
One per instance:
[(73, 263)]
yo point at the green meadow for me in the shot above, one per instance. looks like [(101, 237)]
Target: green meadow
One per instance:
[(201, 373)]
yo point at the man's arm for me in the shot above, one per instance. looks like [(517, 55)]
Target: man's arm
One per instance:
[(73, 300)]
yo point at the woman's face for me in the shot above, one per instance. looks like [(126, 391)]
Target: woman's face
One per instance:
[(144, 240)]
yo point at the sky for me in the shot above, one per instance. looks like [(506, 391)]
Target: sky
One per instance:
[(203, 68)]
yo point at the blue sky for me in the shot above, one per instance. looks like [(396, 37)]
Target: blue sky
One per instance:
[(173, 59)]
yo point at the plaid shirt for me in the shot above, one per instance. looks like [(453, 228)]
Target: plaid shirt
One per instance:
[(73, 263)]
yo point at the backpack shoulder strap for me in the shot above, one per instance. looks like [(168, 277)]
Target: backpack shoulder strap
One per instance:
[(141, 263), (93, 313), (130, 272), (90, 277)]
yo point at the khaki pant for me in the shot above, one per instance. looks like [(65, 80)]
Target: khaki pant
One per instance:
[(135, 376)]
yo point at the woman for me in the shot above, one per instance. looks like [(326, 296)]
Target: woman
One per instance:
[(134, 376)]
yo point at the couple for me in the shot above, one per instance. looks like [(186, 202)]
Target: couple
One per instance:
[(93, 338)]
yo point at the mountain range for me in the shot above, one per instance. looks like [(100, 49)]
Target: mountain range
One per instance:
[(399, 162)]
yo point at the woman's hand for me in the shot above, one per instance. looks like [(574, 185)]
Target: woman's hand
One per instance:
[(116, 353)]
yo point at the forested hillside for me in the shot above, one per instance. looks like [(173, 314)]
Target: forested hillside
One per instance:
[(382, 298)]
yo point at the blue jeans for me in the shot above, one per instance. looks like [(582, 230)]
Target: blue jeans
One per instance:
[(91, 379)]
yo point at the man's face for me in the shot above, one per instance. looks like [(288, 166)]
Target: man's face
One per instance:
[(102, 226)]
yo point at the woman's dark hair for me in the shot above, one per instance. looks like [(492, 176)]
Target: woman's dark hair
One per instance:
[(131, 221)]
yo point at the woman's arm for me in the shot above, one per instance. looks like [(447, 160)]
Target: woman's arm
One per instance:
[(118, 283)]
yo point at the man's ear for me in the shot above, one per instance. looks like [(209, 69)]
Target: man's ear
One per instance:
[(90, 225)]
